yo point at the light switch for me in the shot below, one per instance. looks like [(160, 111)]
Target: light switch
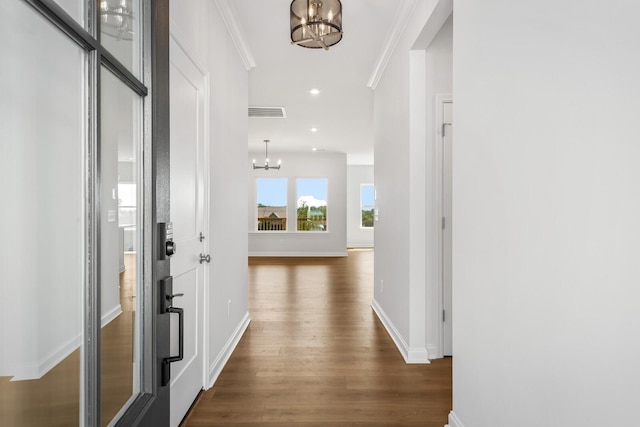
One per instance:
[(111, 216), (376, 214)]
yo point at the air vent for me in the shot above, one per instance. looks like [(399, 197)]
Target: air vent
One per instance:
[(267, 113)]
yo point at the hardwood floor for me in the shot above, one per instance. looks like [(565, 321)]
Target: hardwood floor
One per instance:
[(315, 354)]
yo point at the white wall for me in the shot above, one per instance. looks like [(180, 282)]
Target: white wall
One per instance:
[(357, 237), (546, 207), (332, 166), (198, 24), (42, 212), (400, 234)]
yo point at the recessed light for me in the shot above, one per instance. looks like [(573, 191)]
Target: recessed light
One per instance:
[(314, 129), (314, 91)]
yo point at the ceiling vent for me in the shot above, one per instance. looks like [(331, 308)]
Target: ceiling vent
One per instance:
[(267, 113)]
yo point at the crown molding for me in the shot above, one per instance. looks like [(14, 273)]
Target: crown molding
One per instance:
[(229, 17), (400, 22)]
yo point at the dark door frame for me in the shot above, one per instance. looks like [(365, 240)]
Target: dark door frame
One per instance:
[(151, 407)]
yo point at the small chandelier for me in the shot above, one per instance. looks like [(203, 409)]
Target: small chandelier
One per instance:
[(116, 19), (316, 23), (266, 161)]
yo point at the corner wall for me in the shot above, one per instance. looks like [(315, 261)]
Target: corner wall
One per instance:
[(546, 206)]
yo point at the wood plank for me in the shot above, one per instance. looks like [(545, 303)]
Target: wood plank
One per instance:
[(315, 354)]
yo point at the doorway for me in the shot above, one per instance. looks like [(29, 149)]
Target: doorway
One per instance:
[(445, 107)]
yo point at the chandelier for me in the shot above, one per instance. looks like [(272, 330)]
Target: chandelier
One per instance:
[(266, 159), (316, 23), (116, 19)]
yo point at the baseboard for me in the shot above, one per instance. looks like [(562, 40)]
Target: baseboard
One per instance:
[(454, 421), (221, 360), (299, 254), (433, 352), (360, 245), (38, 370), (111, 314), (410, 355)]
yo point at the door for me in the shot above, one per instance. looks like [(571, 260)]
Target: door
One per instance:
[(83, 163), (447, 164), (188, 204)]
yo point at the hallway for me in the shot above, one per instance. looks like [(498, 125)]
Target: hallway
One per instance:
[(316, 354)]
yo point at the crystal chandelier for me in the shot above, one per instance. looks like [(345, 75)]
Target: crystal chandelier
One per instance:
[(316, 23)]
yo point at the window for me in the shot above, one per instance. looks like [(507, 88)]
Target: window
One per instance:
[(271, 211), (311, 204), (367, 192)]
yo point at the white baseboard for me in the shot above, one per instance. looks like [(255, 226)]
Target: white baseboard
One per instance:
[(298, 254), (410, 355), (110, 315), (216, 367), (37, 370), (454, 421)]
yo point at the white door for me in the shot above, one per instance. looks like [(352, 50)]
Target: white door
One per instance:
[(188, 214), (447, 164)]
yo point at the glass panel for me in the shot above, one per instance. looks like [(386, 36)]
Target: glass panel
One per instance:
[(312, 204), (41, 219), (121, 30), (271, 211), (366, 205), (120, 243), (75, 8)]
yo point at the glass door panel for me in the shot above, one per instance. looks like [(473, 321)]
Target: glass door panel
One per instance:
[(120, 244), (120, 32), (42, 217)]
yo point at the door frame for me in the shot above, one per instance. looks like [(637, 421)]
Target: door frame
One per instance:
[(440, 100), (151, 406), (177, 36)]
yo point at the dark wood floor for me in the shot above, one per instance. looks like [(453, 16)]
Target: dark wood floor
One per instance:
[(315, 354)]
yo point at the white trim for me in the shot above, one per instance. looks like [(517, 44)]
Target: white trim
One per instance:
[(410, 355), (400, 22), (178, 36), (235, 32), (454, 421), (298, 254), (111, 314), (435, 281), (221, 360), (38, 370)]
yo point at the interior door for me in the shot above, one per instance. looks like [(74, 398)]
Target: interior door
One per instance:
[(188, 193), (447, 164)]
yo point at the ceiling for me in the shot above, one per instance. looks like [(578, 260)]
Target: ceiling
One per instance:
[(284, 74)]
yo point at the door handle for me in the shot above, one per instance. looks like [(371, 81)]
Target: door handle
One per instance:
[(166, 362), (205, 258)]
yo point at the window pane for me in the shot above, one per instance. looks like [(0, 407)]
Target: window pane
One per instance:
[(120, 243), (43, 118), (311, 204), (121, 30), (271, 210), (366, 205), (75, 8)]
